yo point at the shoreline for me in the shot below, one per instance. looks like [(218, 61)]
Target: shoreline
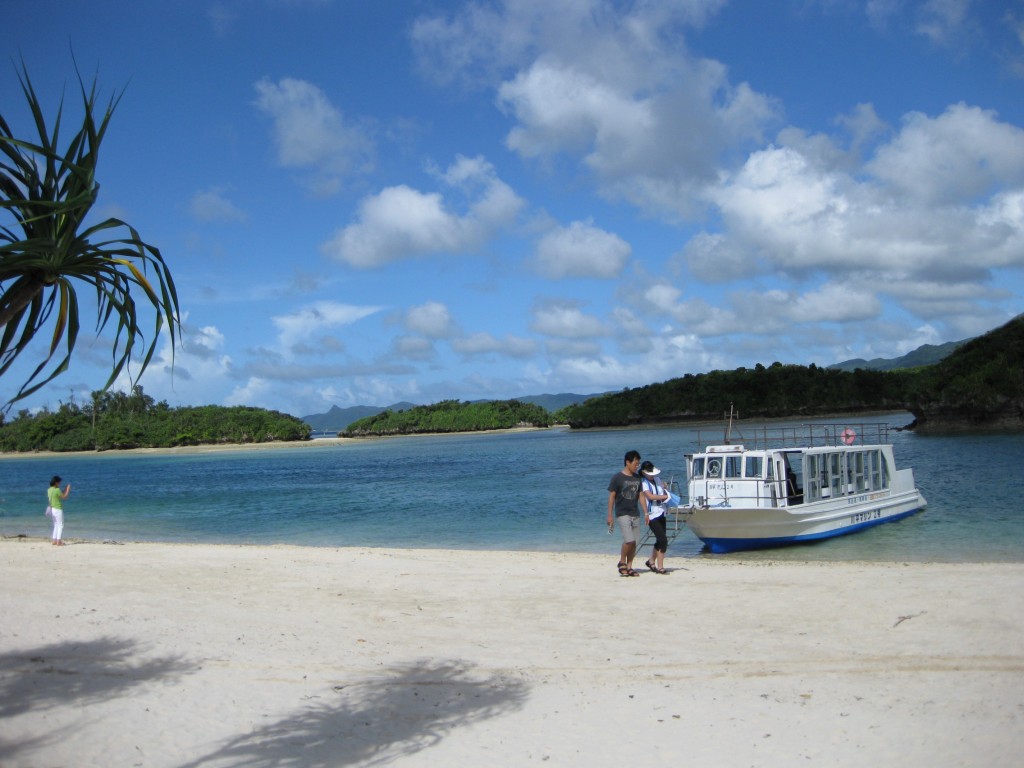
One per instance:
[(340, 441), (187, 449), (754, 558), (317, 442), (201, 655)]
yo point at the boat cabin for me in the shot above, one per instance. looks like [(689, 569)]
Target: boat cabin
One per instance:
[(787, 476)]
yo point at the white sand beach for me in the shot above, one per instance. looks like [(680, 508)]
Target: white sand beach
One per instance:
[(179, 655)]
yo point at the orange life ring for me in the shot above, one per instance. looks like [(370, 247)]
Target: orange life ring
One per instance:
[(849, 436)]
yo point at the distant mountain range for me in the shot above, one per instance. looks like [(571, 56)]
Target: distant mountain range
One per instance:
[(337, 418), (928, 354)]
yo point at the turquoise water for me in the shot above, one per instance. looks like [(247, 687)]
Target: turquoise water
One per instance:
[(539, 490)]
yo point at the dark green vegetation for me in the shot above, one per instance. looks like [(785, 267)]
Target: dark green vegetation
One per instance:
[(761, 392), (337, 419), (47, 252), (451, 416), (979, 386), (117, 420)]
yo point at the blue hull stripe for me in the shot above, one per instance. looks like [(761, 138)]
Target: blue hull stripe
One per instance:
[(721, 546)]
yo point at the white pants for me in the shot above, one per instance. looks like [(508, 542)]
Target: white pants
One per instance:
[(58, 523)]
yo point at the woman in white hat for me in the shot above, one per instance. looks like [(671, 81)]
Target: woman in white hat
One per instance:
[(656, 498)]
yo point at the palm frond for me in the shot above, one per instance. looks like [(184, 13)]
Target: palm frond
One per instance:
[(46, 248)]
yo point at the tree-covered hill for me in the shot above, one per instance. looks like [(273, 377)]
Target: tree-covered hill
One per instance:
[(760, 392), (451, 416), (980, 385), (116, 420)]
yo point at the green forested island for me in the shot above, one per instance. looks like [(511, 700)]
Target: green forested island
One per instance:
[(115, 420), (451, 416)]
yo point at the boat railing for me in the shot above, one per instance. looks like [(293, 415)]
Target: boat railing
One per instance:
[(763, 437)]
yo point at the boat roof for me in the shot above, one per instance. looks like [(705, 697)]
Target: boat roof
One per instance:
[(760, 437)]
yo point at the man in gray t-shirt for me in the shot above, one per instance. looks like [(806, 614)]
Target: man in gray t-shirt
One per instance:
[(625, 503)]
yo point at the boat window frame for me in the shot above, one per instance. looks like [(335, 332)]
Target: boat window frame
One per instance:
[(697, 468), (836, 473), (757, 473), (732, 467), (814, 480)]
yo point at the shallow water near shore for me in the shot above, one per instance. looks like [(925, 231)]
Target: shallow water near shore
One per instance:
[(536, 490)]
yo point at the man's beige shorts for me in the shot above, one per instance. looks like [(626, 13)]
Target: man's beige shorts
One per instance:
[(630, 527)]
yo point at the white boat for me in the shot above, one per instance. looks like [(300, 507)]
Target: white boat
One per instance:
[(794, 484)]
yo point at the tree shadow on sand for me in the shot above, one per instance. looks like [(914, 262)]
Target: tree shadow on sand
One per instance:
[(402, 711), (72, 672)]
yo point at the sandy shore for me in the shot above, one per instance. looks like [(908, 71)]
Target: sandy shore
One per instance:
[(178, 655), (319, 442)]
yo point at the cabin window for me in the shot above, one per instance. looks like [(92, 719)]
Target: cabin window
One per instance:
[(828, 475), (870, 473), (794, 477), (856, 468), (734, 466), (697, 468), (875, 471), (835, 471), (754, 466), (815, 477)]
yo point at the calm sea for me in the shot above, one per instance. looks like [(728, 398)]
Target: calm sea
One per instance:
[(538, 490)]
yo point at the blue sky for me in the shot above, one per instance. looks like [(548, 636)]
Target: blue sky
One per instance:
[(363, 203)]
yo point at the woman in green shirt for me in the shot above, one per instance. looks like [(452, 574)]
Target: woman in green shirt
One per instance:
[(55, 498)]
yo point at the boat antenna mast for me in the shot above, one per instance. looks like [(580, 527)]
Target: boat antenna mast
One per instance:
[(728, 425)]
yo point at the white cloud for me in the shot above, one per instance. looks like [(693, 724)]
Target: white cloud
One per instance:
[(834, 303), (479, 344), (598, 372), (563, 320), (581, 250), (318, 318), (572, 348), (182, 375), (401, 222), (213, 205), (628, 322), (953, 158), (311, 133), (414, 348), (254, 392), (943, 21), (942, 200), (661, 296), (205, 343), (432, 320), (767, 312), (616, 88), (653, 149)]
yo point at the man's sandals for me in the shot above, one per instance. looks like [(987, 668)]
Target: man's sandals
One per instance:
[(624, 570)]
